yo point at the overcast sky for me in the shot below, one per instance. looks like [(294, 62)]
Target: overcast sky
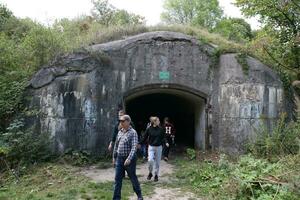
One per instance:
[(46, 11)]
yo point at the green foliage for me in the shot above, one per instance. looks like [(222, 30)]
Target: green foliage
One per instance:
[(194, 12), (103, 11), (5, 15), (278, 41), (242, 60), (282, 140), (191, 153), (248, 178), (77, 158), (24, 47), (61, 181), (235, 29), (122, 17), (256, 178), (41, 44), (107, 15), (24, 146), (282, 22), (13, 76)]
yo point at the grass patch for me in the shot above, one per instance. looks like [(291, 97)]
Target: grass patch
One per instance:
[(204, 36), (61, 181)]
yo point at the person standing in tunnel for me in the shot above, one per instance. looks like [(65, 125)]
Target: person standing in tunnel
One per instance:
[(124, 158), (156, 138), (170, 137)]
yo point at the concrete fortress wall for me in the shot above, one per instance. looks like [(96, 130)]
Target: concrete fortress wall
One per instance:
[(78, 95)]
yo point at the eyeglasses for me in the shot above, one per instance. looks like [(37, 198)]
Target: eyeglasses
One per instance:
[(121, 121)]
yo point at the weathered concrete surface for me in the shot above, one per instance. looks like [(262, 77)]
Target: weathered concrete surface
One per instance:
[(243, 99), (79, 95)]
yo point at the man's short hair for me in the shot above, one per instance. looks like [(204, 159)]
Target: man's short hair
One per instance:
[(125, 117)]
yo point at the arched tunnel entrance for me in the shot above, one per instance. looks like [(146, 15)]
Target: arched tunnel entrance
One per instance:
[(185, 110)]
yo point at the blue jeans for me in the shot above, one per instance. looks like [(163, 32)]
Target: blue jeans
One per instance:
[(131, 171), (154, 157), (144, 150)]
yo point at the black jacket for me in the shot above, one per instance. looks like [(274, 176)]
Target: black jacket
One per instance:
[(155, 136)]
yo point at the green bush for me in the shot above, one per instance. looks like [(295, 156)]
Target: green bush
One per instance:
[(283, 139), (257, 178), (247, 178), (77, 158), (24, 146), (191, 153)]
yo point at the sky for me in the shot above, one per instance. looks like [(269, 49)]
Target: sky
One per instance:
[(46, 11)]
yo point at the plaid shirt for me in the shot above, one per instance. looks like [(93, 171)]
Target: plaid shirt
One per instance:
[(126, 143)]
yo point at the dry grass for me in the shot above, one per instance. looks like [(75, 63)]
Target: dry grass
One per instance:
[(98, 34)]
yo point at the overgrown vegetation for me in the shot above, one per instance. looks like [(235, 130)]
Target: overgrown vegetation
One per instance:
[(194, 12), (269, 171), (26, 45), (242, 60), (246, 178), (20, 148), (284, 139)]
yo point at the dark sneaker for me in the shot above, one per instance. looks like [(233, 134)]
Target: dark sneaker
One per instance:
[(140, 198), (155, 178), (149, 176), (166, 159)]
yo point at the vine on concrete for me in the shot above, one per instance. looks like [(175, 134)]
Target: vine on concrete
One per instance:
[(242, 60)]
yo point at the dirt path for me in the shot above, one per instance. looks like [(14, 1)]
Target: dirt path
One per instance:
[(160, 193), (104, 175)]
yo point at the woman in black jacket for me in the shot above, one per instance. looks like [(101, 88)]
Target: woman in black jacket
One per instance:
[(156, 139)]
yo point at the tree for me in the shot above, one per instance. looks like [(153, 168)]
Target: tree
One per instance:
[(5, 14), (236, 29), (122, 17), (103, 11), (195, 12), (282, 19), (13, 27), (107, 14), (24, 47)]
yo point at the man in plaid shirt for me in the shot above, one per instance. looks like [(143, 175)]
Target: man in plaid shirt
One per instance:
[(124, 158)]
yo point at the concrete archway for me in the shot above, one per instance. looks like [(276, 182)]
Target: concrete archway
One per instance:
[(78, 95), (184, 106)]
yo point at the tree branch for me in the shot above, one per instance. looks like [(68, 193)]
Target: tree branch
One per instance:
[(295, 3), (292, 22), (275, 60)]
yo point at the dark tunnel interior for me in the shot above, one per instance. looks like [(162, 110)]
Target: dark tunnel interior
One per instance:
[(180, 110)]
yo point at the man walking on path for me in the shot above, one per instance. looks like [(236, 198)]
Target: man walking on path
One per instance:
[(116, 129), (124, 158)]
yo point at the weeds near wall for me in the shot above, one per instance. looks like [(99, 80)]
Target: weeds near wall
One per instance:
[(191, 153), (76, 158), (247, 178), (283, 139), (21, 147)]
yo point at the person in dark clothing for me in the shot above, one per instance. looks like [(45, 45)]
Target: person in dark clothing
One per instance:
[(156, 138), (170, 137), (144, 146)]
